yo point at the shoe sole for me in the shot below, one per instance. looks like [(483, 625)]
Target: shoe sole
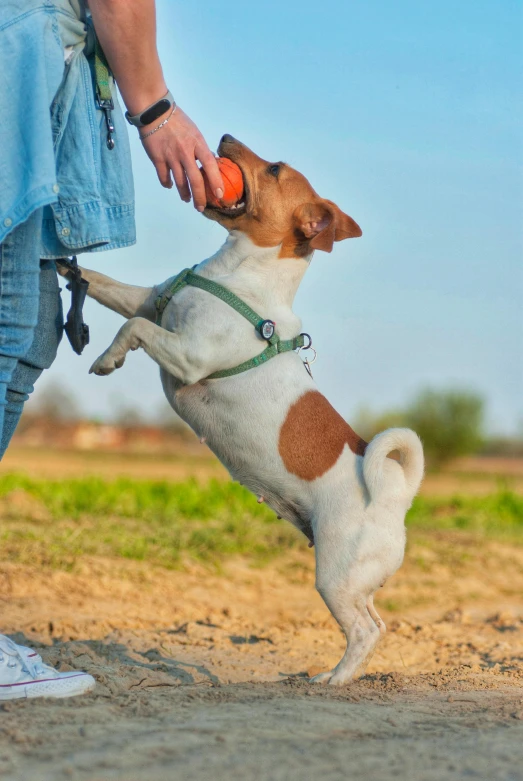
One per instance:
[(57, 688)]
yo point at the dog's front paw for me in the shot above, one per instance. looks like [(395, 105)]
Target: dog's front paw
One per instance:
[(107, 363), (63, 271)]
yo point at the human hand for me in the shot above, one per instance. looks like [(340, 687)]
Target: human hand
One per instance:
[(176, 147)]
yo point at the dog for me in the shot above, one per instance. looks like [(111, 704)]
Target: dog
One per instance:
[(269, 425)]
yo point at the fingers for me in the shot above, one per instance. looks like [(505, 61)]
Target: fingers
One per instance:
[(180, 181), (164, 174), (176, 148), (196, 181), (208, 161)]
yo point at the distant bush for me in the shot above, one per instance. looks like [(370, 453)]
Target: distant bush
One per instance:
[(449, 422), (508, 447)]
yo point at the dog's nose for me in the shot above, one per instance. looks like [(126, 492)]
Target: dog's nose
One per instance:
[(228, 139)]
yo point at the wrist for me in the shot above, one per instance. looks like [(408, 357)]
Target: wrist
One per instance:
[(152, 113), (142, 98), (149, 130)]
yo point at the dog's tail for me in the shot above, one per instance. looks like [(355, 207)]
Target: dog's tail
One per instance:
[(382, 482)]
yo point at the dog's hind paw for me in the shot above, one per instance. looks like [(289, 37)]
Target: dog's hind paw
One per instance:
[(336, 677), (321, 677)]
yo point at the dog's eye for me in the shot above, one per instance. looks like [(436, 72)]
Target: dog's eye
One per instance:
[(273, 170)]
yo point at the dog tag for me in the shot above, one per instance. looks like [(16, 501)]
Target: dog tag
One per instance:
[(308, 368), (305, 360), (267, 329)]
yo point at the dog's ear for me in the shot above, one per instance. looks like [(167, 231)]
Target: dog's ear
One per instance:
[(322, 223)]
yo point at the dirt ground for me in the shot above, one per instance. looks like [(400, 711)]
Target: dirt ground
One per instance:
[(204, 674)]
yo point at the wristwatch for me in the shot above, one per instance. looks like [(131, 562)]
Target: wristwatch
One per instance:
[(152, 112)]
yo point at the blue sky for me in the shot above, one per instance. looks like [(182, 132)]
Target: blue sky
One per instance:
[(407, 115)]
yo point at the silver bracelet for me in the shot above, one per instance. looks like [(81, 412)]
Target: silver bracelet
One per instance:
[(156, 129)]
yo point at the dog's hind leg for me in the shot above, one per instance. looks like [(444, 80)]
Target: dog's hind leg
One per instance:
[(360, 630), (348, 572)]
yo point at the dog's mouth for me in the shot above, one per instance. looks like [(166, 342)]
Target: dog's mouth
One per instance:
[(239, 208)]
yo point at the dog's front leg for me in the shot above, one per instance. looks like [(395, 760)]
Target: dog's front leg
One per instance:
[(164, 347), (126, 300)]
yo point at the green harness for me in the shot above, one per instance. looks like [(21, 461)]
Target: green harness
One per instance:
[(265, 328)]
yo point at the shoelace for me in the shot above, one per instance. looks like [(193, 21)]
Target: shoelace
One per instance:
[(32, 665)]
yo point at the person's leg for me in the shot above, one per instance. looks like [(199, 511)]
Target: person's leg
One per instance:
[(42, 352), (29, 299), (19, 297)]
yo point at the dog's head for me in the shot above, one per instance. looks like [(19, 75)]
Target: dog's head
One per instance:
[(280, 207)]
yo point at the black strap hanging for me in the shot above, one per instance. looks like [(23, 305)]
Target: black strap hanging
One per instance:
[(75, 328)]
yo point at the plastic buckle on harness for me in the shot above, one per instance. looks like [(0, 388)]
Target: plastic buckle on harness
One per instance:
[(107, 106), (77, 331)]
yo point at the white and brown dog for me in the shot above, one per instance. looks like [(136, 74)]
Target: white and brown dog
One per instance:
[(270, 426)]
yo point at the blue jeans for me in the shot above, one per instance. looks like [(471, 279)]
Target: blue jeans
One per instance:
[(31, 320), (62, 190)]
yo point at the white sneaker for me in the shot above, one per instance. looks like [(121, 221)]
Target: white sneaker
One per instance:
[(23, 674)]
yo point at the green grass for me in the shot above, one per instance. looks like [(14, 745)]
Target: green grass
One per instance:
[(166, 523), (156, 521), (499, 514)]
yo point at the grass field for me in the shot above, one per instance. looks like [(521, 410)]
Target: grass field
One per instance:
[(53, 523)]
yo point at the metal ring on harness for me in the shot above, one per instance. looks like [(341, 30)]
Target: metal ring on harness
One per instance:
[(308, 346), (304, 348)]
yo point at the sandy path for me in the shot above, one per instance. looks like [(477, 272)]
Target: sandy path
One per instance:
[(272, 731), (202, 675)]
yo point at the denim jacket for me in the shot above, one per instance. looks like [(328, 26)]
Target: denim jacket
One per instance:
[(53, 150)]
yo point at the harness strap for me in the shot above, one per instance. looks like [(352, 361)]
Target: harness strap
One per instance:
[(275, 346), (229, 298), (270, 352), (163, 299)]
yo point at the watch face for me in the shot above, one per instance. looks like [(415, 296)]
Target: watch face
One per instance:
[(155, 111)]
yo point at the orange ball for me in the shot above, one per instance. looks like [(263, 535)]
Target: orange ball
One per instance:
[(232, 183)]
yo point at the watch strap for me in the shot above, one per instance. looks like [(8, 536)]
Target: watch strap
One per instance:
[(152, 112)]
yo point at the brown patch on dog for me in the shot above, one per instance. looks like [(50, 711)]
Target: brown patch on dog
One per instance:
[(313, 436)]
